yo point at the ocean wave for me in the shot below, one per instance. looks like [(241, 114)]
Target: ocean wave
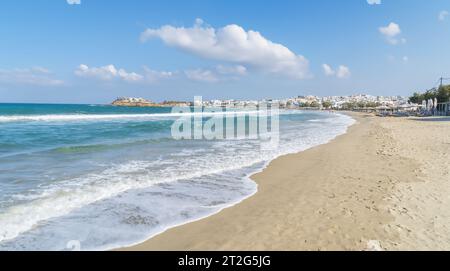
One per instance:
[(61, 199), (105, 147), (107, 117)]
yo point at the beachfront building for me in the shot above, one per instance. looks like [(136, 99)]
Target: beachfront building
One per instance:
[(443, 109)]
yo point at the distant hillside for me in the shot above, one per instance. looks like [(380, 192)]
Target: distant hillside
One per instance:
[(141, 102)]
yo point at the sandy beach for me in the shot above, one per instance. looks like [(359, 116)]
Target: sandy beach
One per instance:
[(384, 185)]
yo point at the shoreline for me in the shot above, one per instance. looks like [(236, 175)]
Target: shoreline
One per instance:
[(250, 176), (372, 188)]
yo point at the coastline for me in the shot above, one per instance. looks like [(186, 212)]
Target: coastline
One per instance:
[(250, 176), (150, 206), (348, 194)]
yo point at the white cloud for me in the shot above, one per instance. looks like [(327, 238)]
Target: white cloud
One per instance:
[(399, 59), (110, 72), (198, 22), (442, 15), (201, 75), (37, 76), (391, 30), (39, 69), (232, 44), (328, 70), (73, 2), (153, 76), (391, 33), (374, 2), (130, 77), (342, 72), (220, 73), (238, 70)]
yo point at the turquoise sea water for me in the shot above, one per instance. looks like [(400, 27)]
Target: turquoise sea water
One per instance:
[(105, 177)]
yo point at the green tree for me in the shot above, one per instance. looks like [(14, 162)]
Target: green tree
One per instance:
[(303, 105), (430, 94), (361, 104), (443, 94), (372, 104), (327, 104), (416, 98), (348, 106), (314, 104)]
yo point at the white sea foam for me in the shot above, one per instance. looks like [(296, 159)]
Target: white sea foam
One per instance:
[(61, 199), (107, 117)]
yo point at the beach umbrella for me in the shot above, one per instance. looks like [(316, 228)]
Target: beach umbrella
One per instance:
[(435, 105)]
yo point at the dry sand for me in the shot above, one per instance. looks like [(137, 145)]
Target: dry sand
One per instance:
[(383, 185)]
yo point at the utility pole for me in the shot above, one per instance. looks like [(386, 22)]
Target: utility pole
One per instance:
[(441, 79)]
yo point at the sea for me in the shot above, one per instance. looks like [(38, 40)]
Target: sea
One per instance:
[(99, 177)]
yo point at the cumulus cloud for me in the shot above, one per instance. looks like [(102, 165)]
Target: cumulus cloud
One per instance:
[(232, 44), (153, 75), (342, 71), (391, 33), (238, 70), (106, 73), (220, 73), (374, 2), (73, 2), (391, 30), (201, 75), (442, 15), (37, 76), (110, 72), (328, 70)]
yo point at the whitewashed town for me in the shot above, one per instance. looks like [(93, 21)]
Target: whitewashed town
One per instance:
[(385, 105)]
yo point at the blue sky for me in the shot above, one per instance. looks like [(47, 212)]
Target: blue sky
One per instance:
[(92, 52)]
